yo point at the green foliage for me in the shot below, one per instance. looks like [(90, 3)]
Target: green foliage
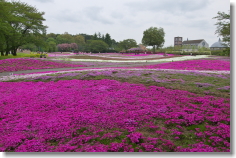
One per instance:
[(96, 46), (223, 26), (154, 37), (217, 52), (65, 38), (95, 36), (79, 40), (87, 37), (108, 40), (226, 51), (127, 44), (20, 24), (51, 42), (29, 46)]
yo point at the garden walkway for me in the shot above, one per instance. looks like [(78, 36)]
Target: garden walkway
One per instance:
[(61, 69)]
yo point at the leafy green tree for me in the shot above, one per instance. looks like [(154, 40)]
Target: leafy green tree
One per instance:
[(127, 44), (52, 45), (223, 26), (80, 41), (23, 24), (96, 46), (223, 29), (87, 37), (154, 37), (65, 38), (52, 35), (4, 26), (29, 46)]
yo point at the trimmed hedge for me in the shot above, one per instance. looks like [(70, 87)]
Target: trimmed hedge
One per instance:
[(220, 52)]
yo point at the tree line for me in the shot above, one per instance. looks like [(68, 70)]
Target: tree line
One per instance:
[(81, 42)]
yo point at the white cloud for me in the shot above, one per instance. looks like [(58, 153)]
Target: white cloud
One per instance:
[(96, 15), (180, 6)]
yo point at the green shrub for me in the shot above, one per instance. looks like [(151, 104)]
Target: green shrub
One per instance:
[(217, 52), (224, 52)]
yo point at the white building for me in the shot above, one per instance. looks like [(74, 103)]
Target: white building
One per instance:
[(194, 45)]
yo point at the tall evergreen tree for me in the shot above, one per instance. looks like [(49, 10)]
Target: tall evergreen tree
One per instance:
[(99, 35), (95, 36), (108, 39)]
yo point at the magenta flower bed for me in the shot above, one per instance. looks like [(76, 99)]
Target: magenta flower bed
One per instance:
[(107, 115), (9, 65), (138, 55), (53, 55), (194, 65)]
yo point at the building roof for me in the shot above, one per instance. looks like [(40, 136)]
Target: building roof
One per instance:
[(140, 48), (192, 41), (134, 49), (218, 44)]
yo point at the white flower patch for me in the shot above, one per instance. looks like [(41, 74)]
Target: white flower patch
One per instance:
[(156, 60), (15, 77)]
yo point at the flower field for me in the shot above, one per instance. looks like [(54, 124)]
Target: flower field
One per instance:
[(107, 115), (194, 65), (9, 65), (119, 110)]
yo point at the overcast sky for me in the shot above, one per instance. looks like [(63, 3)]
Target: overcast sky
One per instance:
[(127, 19)]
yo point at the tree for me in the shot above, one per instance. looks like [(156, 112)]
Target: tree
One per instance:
[(99, 35), (80, 41), (223, 26), (87, 37), (67, 47), (29, 46), (51, 44), (127, 44), (108, 39), (65, 38), (4, 26), (52, 35), (95, 36), (223, 29), (96, 46), (23, 24), (103, 37), (154, 37)]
